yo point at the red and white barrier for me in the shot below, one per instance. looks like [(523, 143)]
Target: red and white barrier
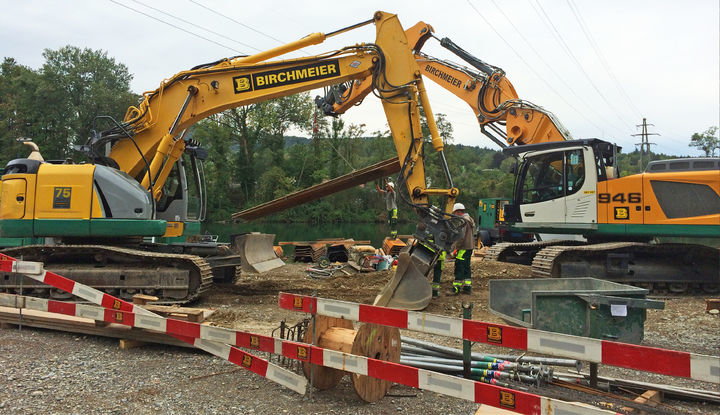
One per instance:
[(35, 271), (116, 310), (631, 356), (210, 338)]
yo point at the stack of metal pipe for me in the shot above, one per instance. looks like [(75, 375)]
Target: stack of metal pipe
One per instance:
[(495, 369)]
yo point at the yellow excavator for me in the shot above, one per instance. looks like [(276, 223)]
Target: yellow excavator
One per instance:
[(566, 186), (95, 218)]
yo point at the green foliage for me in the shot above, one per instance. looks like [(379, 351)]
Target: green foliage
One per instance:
[(707, 141), (274, 183), (18, 85), (633, 163), (56, 105), (218, 167)]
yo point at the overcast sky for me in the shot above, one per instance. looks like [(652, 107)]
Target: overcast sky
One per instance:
[(658, 59)]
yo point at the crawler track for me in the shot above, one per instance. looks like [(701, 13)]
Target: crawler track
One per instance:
[(674, 268), (522, 252), (174, 278)]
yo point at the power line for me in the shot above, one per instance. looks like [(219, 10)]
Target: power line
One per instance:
[(598, 52), (566, 48), (558, 36), (531, 68), (554, 72), (302, 52), (177, 27), (235, 21), (195, 25)]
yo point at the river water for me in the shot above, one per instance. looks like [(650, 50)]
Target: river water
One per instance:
[(374, 232)]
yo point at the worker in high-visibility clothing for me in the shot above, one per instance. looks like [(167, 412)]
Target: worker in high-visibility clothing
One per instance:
[(391, 206), (463, 249), (437, 274)]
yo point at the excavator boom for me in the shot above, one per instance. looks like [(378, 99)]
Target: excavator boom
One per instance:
[(502, 116)]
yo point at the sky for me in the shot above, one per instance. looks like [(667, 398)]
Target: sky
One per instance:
[(599, 66)]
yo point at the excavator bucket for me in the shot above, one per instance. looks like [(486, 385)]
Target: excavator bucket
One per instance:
[(256, 251), (409, 288)]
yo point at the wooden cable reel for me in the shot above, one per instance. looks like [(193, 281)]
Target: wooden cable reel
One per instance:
[(370, 340)]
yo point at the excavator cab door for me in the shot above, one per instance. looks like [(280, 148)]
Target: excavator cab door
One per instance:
[(12, 199), (184, 196), (580, 186), (557, 187), (540, 188), (197, 194)]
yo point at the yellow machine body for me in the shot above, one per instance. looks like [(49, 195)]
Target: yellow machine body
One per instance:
[(632, 199)]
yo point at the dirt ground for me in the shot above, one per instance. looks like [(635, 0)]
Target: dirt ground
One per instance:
[(682, 325), (63, 373)]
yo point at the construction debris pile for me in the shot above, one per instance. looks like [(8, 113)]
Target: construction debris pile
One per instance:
[(329, 257)]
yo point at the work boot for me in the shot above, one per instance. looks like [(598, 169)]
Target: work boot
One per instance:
[(435, 289), (467, 287), (455, 290)]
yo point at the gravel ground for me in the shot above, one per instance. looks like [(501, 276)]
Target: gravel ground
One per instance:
[(49, 372)]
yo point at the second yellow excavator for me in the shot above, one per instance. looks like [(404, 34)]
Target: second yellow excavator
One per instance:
[(566, 186)]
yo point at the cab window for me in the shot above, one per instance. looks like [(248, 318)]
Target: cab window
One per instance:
[(171, 190), (574, 171), (553, 175), (543, 178)]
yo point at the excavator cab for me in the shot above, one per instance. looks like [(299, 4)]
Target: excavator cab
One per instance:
[(184, 198), (556, 182)]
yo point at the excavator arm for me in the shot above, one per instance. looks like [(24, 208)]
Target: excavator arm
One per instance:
[(157, 124), (502, 116), (149, 141)]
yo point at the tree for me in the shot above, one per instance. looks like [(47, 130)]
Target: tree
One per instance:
[(82, 84), (707, 141), (273, 183), (245, 134), (218, 167), (279, 116), (18, 85), (257, 131), (341, 142), (56, 106)]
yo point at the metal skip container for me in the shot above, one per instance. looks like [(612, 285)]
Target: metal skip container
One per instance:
[(587, 307)]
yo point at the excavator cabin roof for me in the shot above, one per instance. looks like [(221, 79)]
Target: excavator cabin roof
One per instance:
[(600, 146)]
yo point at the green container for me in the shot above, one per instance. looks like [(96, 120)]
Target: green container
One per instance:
[(587, 307), (489, 211)]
